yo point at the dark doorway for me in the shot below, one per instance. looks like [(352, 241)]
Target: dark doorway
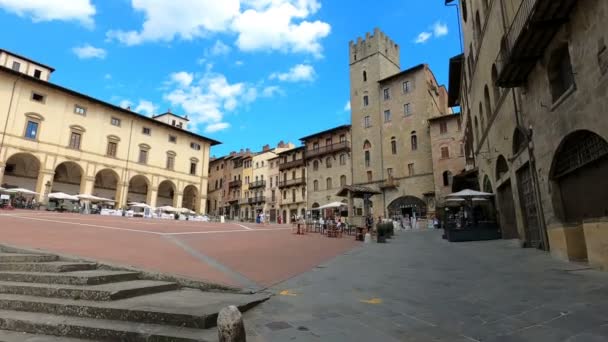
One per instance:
[(508, 223)]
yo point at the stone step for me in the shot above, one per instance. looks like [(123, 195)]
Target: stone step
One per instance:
[(53, 266), (94, 277), (19, 257), (183, 308), (111, 291), (14, 336), (98, 329)]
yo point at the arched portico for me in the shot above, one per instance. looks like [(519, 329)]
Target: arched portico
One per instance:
[(166, 194), (139, 187), (68, 178)]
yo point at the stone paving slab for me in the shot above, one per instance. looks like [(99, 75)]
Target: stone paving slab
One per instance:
[(419, 287)]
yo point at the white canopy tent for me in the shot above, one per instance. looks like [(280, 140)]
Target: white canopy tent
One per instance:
[(20, 191), (331, 205), (62, 196), (468, 193)]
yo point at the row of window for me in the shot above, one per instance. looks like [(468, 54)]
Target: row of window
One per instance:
[(114, 121), (407, 111), (406, 87), (328, 183), (328, 142), (17, 67), (293, 194), (328, 162)]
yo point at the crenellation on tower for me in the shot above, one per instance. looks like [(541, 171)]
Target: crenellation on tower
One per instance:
[(378, 42)]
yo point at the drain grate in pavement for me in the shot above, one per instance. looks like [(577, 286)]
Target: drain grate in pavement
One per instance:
[(274, 326)]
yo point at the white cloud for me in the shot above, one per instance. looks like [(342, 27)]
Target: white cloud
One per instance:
[(208, 97), (298, 73), (347, 107), (423, 37), (216, 127), (146, 107), (260, 25), (44, 10), (440, 29), (88, 51), (107, 76), (125, 103), (182, 78), (271, 91), (239, 63), (219, 49)]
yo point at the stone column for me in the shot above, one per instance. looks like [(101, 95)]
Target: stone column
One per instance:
[(121, 194), (351, 208), (44, 177), (2, 166), (86, 186), (152, 196), (178, 199), (201, 204)]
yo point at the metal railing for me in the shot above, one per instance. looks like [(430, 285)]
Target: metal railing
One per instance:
[(235, 184), (290, 164), (258, 199), (257, 184), (292, 182), (313, 152)]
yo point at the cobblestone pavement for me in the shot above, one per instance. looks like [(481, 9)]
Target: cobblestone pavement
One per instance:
[(419, 287)]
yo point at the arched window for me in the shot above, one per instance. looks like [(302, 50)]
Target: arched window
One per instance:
[(343, 159), (560, 73), (315, 185), (463, 6), (477, 27), (328, 162), (342, 180), (329, 185), (486, 97), (367, 157), (495, 86), (364, 76), (447, 178), (315, 165), (367, 145), (486, 6), (393, 145), (414, 141), (481, 117)]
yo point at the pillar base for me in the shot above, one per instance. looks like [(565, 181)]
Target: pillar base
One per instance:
[(596, 238), (567, 241)]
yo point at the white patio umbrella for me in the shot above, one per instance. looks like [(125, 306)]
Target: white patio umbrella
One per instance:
[(455, 199), (139, 205), (168, 208), (93, 198), (62, 196), (20, 191), (332, 205), (480, 199), (468, 193)]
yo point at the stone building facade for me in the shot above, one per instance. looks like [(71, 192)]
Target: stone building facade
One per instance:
[(328, 165), (448, 152), (389, 108), (292, 184), (56, 139), (534, 87)]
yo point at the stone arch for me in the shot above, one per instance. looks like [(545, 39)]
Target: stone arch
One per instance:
[(488, 102), (166, 194), (139, 187), (495, 86), (578, 176), (106, 184), (21, 170), (477, 130), (501, 166), (315, 211), (487, 184), (407, 205), (68, 178), (190, 199)]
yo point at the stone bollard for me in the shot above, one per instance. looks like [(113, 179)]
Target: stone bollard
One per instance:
[(230, 326), (368, 238)]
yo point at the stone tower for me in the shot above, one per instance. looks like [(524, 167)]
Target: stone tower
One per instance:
[(371, 59)]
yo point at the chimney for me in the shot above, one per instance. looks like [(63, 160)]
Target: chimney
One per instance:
[(281, 144), (266, 148), (233, 153), (128, 107)]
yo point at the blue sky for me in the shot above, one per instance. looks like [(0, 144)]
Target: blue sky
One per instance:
[(247, 72)]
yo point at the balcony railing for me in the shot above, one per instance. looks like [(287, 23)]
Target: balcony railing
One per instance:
[(333, 148), (257, 184), (244, 200), (235, 184), (292, 182), (258, 199), (531, 31), (291, 164)]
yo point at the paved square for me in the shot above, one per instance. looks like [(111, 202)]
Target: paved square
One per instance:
[(235, 254)]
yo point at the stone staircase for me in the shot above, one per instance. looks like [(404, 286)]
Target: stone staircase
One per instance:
[(45, 298)]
